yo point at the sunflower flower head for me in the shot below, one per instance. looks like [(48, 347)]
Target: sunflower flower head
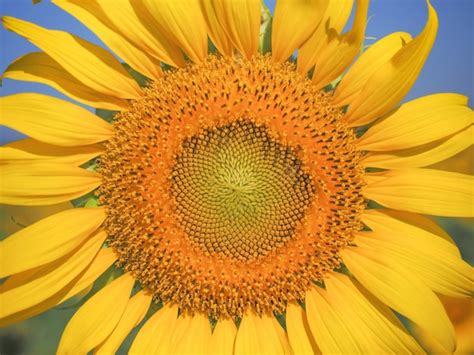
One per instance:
[(229, 198)]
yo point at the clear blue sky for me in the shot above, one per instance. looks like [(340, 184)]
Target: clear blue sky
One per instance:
[(449, 68)]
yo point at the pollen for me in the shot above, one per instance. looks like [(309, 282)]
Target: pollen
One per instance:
[(231, 186)]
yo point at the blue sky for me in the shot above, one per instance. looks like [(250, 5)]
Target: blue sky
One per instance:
[(448, 69)]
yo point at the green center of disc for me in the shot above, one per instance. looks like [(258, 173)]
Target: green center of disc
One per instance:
[(238, 192)]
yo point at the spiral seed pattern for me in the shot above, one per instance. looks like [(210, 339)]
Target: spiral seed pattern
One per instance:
[(231, 186), (238, 192)]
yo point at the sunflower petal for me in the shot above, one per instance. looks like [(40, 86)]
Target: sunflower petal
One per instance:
[(293, 23), (413, 230), (443, 272), (103, 260), (216, 32), (299, 334), (96, 319), (241, 21), (258, 335), (134, 313), (422, 156), (27, 151), (134, 22), (341, 49), (155, 335), (334, 19), (51, 120), (183, 22), (223, 337), (90, 64), (195, 337), (426, 191), (48, 239), (330, 332), (368, 63), (418, 122), (14, 218), (394, 285), (392, 81), (29, 288), (44, 184), (40, 68), (92, 16), (344, 309)]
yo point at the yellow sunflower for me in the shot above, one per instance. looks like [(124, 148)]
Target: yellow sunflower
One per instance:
[(245, 201)]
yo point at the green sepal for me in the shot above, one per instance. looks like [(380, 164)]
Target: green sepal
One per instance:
[(92, 202), (281, 319), (106, 115), (265, 38), (211, 48), (141, 79), (81, 201), (165, 67)]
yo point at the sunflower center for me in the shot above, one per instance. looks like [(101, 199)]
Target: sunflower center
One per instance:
[(239, 192), (231, 186)]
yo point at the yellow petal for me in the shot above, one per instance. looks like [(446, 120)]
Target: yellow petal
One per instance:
[(460, 163), (27, 151), (392, 81), (258, 335), (373, 58), (29, 288), (282, 337), (135, 311), (155, 335), (293, 23), (334, 20), (44, 183), (95, 19), (90, 64), (103, 260), (341, 49), (241, 21), (40, 68), (216, 32), (346, 319), (418, 122), (401, 290), (443, 272), (183, 22), (330, 332), (223, 337), (97, 318), (195, 337), (425, 155), (299, 334), (426, 191), (48, 239), (135, 23), (14, 218), (413, 230), (51, 120)]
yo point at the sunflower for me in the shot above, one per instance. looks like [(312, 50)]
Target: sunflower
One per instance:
[(240, 198)]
